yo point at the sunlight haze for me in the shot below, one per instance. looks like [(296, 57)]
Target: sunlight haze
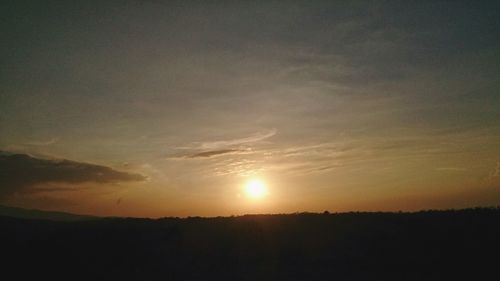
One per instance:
[(168, 108)]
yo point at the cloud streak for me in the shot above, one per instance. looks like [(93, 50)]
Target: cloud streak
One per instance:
[(21, 173), (260, 136), (451, 169), (492, 178), (212, 153), (43, 143)]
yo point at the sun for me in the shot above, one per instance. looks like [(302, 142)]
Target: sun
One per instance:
[(255, 189)]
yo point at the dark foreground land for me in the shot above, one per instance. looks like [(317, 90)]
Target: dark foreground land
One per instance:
[(433, 245)]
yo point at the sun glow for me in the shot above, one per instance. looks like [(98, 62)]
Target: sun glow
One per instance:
[(255, 189)]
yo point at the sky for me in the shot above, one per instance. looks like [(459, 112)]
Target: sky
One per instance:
[(169, 108)]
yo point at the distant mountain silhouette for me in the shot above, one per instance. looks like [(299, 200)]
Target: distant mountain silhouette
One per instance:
[(15, 212)]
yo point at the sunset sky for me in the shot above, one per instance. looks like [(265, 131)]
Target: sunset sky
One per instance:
[(174, 108)]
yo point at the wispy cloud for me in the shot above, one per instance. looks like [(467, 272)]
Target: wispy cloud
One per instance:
[(42, 143), (496, 172), (292, 160), (211, 149), (451, 169), (212, 153), (260, 136), (494, 175)]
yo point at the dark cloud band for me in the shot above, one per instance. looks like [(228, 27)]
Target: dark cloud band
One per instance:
[(213, 153), (21, 172)]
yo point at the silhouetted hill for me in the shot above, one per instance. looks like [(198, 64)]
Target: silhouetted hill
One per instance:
[(433, 245), (38, 214)]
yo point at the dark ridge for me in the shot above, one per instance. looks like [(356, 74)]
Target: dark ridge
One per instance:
[(427, 245), (14, 212)]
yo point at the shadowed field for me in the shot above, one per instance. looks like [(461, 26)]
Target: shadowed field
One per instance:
[(431, 245)]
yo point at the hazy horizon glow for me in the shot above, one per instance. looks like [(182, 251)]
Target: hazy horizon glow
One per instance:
[(170, 108)]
